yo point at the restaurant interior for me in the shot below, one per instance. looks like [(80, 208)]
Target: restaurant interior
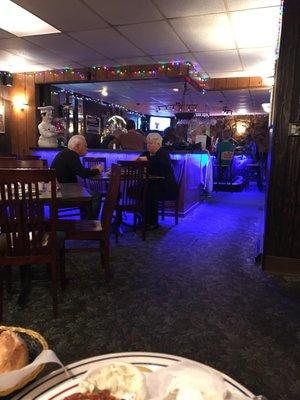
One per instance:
[(202, 304)]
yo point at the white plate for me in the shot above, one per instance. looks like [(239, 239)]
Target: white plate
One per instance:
[(57, 385)]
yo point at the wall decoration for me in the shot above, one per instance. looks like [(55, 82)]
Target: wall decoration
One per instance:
[(92, 124)]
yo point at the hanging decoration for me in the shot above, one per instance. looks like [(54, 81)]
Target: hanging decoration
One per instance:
[(182, 107)]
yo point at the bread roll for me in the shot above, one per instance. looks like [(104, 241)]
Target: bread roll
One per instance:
[(13, 352)]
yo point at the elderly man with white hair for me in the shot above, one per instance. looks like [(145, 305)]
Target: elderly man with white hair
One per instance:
[(68, 166), (67, 162), (159, 165)]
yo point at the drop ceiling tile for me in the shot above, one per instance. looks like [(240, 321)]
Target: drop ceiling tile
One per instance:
[(154, 37), (258, 60), (120, 12), (13, 63), (99, 61), (219, 61), (207, 32), (265, 21), (135, 61), (64, 46), (186, 8), (23, 48), (66, 15), (182, 57), (108, 42), (62, 64), (4, 34), (231, 74), (247, 4)]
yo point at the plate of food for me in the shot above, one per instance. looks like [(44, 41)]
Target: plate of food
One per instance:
[(135, 376)]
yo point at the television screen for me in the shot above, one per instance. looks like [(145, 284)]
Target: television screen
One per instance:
[(159, 123)]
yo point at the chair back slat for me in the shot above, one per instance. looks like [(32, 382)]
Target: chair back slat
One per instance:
[(111, 198), (29, 157), (28, 229), (90, 162), (12, 164), (94, 185), (134, 180)]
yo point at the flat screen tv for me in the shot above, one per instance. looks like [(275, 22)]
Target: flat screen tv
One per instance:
[(159, 123)]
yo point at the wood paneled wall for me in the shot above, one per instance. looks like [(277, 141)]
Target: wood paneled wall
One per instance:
[(282, 235), (5, 145)]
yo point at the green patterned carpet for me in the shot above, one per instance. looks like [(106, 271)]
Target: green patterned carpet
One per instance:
[(192, 290)]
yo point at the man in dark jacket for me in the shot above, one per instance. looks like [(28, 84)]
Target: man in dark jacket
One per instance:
[(68, 166), (158, 189)]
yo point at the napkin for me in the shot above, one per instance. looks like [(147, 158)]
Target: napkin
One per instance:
[(10, 379), (187, 380)]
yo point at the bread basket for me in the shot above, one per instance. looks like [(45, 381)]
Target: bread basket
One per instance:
[(36, 344)]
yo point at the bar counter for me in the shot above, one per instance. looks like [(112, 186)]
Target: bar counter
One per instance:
[(194, 178)]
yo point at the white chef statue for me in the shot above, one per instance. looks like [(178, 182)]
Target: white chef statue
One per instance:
[(47, 131)]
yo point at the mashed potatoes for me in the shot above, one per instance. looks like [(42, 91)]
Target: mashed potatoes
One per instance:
[(124, 381)]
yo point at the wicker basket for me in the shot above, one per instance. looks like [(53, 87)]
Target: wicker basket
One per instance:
[(36, 344)]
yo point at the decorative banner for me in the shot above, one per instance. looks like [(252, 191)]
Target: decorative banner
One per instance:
[(2, 119), (92, 124)]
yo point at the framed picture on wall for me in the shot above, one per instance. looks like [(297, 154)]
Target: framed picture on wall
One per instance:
[(92, 124), (2, 119)]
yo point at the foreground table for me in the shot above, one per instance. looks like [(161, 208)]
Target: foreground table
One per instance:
[(58, 385)]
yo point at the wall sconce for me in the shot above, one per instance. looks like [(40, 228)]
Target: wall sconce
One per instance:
[(20, 103)]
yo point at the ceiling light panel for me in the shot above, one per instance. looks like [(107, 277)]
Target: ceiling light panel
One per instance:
[(154, 38), (188, 8), (248, 4), (21, 22), (108, 42), (65, 15), (204, 33), (265, 21), (120, 12), (219, 61)]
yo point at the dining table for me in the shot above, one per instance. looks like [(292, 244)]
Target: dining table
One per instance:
[(64, 381)]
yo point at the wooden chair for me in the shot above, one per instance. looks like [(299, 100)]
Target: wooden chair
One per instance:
[(95, 185), (178, 168), (96, 230), (133, 192), (222, 170), (28, 235), (29, 157), (34, 164), (8, 156)]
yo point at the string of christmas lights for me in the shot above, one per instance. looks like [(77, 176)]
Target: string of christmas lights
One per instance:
[(141, 71), (98, 101), (279, 29)]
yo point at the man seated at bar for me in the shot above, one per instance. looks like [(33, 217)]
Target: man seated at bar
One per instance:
[(68, 166), (158, 189), (132, 140)]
